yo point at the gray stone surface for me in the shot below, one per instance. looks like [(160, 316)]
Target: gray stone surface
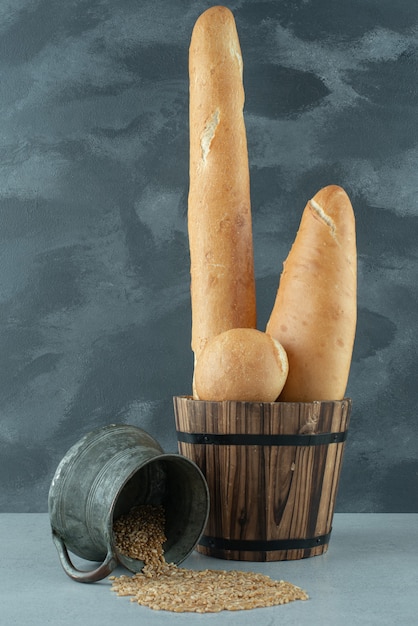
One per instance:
[(367, 577), (94, 266)]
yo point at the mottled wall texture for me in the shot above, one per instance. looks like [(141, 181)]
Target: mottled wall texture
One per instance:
[(94, 261)]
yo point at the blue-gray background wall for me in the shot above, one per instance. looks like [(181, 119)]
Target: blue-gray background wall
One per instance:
[(94, 266)]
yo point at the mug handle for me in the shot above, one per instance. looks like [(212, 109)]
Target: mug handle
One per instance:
[(81, 576)]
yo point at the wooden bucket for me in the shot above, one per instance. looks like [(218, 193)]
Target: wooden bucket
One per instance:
[(272, 471)]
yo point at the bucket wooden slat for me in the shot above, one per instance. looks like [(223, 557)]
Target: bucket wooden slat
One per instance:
[(272, 500)]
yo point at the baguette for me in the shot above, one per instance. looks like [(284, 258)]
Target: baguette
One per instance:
[(219, 210), (315, 311)]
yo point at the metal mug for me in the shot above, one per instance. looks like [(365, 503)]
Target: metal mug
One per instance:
[(104, 475)]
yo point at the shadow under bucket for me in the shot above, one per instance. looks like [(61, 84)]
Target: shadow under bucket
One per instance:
[(103, 476), (272, 470)]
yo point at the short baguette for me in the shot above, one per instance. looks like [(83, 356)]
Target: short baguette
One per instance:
[(314, 315), (219, 211)]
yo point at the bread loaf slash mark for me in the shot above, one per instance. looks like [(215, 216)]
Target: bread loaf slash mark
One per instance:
[(208, 134), (324, 217), (320, 213)]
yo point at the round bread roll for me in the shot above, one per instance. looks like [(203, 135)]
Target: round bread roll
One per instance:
[(243, 365)]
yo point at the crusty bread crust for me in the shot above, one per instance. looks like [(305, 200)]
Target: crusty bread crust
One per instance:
[(219, 211), (243, 365), (315, 311)]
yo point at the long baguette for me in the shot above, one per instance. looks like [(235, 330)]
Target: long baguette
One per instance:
[(219, 210), (314, 315)]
